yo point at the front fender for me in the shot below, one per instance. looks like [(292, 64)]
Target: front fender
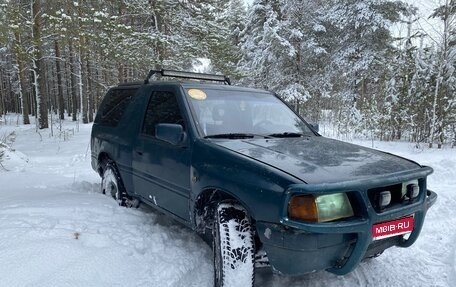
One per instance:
[(258, 187)]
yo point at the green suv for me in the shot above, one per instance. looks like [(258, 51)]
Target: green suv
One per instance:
[(240, 167)]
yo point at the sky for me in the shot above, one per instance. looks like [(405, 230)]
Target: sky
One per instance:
[(433, 27)]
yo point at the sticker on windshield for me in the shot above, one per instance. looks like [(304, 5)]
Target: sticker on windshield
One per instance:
[(197, 94)]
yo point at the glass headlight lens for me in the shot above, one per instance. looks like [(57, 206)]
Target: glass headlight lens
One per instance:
[(320, 208)]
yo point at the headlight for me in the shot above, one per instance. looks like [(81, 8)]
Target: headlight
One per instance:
[(320, 208)]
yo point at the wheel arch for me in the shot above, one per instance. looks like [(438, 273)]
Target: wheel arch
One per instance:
[(206, 202), (103, 157)]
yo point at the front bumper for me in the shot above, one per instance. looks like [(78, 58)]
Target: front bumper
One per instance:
[(295, 247)]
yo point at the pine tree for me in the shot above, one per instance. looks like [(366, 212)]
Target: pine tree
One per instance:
[(363, 49), (422, 87), (254, 46), (11, 35), (444, 98), (223, 37)]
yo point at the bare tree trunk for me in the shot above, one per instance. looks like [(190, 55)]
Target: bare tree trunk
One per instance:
[(438, 120), (453, 144), (121, 67), (89, 89), (32, 98), (61, 102), (74, 102), (12, 99), (2, 92), (22, 85), (434, 106), (37, 61), (47, 90), (99, 78), (82, 75), (24, 97), (67, 77), (120, 70), (82, 91)]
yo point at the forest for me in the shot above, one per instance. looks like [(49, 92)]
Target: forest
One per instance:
[(336, 61)]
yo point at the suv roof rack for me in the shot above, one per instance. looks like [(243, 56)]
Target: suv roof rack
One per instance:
[(188, 75), (136, 83)]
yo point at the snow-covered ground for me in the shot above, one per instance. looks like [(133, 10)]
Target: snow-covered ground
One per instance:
[(56, 229)]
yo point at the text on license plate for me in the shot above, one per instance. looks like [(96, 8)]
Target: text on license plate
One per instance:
[(393, 228)]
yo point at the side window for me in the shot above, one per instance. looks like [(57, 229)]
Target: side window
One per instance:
[(162, 109), (114, 105)]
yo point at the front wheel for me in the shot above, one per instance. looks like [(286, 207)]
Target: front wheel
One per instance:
[(233, 246)]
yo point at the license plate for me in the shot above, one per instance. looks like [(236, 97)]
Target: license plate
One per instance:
[(393, 228)]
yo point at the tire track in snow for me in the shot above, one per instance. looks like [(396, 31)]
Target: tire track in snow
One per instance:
[(139, 236)]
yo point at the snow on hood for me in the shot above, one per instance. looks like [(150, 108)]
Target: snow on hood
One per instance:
[(318, 159)]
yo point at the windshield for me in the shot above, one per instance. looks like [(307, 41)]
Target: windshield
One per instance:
[(224, 112)]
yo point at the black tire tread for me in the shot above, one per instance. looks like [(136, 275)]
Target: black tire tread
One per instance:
[(233, 257)]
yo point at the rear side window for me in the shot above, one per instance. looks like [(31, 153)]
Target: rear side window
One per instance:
[(162, 109), (114, 105)]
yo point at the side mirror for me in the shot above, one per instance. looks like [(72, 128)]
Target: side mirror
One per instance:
[(315, 127), (171, 133)]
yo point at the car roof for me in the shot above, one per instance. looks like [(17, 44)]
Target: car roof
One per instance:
[(204, 85), (192, 84)]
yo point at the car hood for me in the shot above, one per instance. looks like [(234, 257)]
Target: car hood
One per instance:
[(318, 159)]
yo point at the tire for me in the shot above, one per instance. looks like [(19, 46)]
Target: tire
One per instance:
[(111, 185), (233, 247)]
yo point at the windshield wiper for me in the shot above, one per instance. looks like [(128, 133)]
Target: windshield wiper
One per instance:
[(287, 135), (235, 136)]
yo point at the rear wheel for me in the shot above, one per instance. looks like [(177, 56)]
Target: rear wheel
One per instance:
[(111, 185), (233, 246)]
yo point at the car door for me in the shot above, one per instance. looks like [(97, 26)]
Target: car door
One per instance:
[(162, 170)]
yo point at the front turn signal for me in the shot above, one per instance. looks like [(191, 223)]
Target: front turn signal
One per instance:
[(303, 208)]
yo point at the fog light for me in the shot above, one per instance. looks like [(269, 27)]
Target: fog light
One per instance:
[(412, 191), (384, 199)]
